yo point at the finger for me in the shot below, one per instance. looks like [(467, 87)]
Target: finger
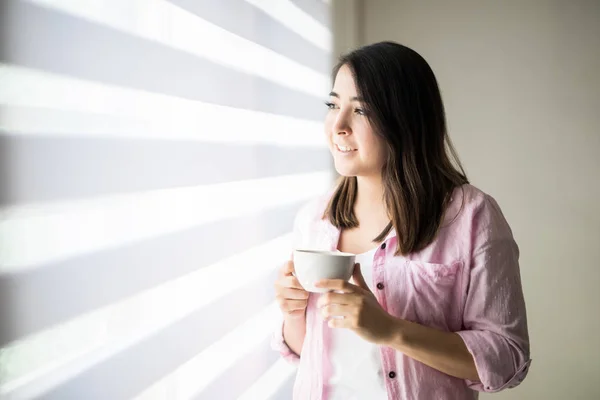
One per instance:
[(287, 282), (295, 313), (339, 323), (359, 279), (336, 298), (287, 269), (335, 310), (294, 294), (338, 285), (288, 305), (290, 282)]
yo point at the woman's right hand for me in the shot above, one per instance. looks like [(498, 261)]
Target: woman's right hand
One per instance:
[(290, 295)]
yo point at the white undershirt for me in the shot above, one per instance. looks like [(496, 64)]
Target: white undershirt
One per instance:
[(357, 371)]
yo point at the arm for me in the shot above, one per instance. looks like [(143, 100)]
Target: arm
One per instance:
[(444, 351), (495, 322), (294, 331), (492, 350), (362, 313), (288, 337)]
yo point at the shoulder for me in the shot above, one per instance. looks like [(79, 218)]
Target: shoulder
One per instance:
[(312, 211), (480, 212), (311, 230), (469, 196)]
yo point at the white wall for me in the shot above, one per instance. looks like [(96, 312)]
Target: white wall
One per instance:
[(522, 94)]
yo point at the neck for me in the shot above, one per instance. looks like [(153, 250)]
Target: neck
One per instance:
[(369, 198)]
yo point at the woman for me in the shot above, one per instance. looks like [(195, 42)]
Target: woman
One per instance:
[(435, 308)]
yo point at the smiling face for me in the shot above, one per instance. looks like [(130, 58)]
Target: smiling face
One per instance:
[(356, 149)]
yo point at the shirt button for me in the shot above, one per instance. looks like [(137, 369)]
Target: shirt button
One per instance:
[(380, 286), (392, 374), (383, 246)]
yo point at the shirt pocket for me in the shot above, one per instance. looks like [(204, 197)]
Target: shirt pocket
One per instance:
[(433, 293), (436, 273)]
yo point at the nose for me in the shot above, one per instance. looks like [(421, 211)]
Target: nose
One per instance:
[(341, 125)]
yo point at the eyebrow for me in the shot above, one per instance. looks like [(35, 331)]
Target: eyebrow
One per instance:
[(355, 98)]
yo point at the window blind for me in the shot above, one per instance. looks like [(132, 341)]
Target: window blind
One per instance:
[(153, 154)]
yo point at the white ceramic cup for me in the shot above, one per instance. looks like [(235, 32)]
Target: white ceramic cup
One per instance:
[(313, 265)]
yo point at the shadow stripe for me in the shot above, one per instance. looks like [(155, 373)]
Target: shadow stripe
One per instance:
[(286, 391), (46, 168), (123, 375), (39, 298), (40, 38), (239, 377), (257, 26), (317, 9)]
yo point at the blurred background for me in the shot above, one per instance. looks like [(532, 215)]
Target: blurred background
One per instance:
[(153, 154)]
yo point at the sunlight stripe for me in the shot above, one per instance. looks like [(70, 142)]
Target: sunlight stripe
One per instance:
[(228, 126), (90, 338), (270, 382), (135, 113), (164, 22), (296, 20), (192, 377), (34, 234)]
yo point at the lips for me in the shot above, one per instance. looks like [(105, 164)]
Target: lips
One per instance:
[(344, 149)]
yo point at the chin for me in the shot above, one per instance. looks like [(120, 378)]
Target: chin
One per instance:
[(347, 172)]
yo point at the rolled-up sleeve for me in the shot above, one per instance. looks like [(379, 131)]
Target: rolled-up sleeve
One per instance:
[(277, 340), (494, 317), (278, 344)]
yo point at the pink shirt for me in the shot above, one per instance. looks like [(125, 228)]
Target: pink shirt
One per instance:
[(467, 281)]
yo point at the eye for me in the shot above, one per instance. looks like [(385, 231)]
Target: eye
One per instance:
[(330, 105), (359, 111)]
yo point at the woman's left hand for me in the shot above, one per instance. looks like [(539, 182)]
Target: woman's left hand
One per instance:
[(359, 308)]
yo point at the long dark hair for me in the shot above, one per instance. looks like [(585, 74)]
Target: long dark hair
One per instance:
[(421, 170)]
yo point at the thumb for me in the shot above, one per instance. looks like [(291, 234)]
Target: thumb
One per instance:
[(358, 278), (291, 270)]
